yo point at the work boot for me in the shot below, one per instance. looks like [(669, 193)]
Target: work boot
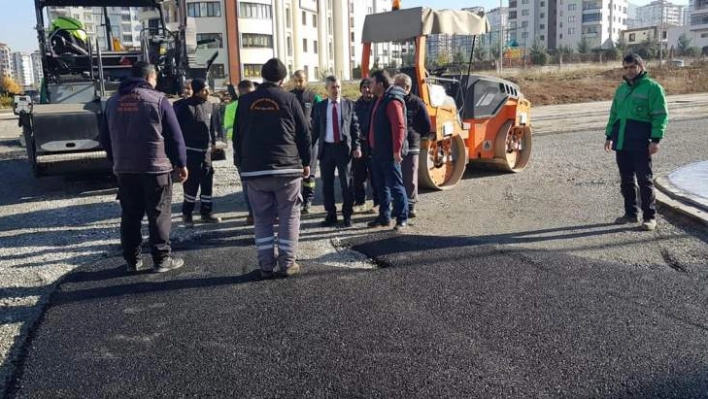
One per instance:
[(379, 223), (330, 221), (168, 264), (627, 219), (649, 225), (290, 271), (133, 267), (187, 220), (400, 226), (411, 211), (210, 218), (306, 207)]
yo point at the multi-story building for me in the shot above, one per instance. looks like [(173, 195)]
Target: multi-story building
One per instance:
[(556, 23), (382, 54), (660, 13), (499, 24), (7, 66), (37, 70), (124, 23), (23, 67)]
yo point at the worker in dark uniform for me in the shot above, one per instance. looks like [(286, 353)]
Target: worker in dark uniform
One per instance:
[(361, 167), (196, 116), (307, 99), (419, 125), (143, 142)]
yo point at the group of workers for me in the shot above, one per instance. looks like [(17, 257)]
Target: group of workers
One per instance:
[(279, 137)]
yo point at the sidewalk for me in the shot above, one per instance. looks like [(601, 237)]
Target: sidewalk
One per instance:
[(685, 191)]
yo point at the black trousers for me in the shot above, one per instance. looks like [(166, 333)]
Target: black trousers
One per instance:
[(201, 175), (141, 194), (361, 172), (637, 164), (337, 156), (308, 183)]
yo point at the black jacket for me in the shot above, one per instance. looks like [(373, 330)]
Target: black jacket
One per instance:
[(349, 129), (418, 121), (198, 122), (271, 137), (363, 113)]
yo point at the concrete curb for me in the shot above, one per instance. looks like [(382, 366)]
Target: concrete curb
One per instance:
[(679, 201)]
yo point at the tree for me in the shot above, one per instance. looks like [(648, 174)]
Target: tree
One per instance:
[(458, 58), (495, 52), (8, 85), (480, 53), (539, 56), (684, 43), (443, 58), (583, 46), (692, 51), (621, 44)]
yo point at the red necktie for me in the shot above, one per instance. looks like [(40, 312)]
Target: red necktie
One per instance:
[(335, 123)]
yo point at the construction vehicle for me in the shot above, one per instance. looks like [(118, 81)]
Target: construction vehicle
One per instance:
[(478, 120), (62, 130)]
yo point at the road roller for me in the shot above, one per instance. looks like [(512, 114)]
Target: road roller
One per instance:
[(480, 121)]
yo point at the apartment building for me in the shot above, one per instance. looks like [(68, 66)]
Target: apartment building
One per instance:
[(556, 23), (7, 66), (37, 70), (124, 23), (696, 28), (382, 54), (659, 13), (22, 65)]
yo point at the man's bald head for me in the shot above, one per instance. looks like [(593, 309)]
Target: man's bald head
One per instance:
[(300, 79)]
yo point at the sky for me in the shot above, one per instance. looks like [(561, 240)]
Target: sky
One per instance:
[(18, 21)]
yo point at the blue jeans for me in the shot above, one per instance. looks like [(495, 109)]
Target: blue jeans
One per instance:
[(389, 183)]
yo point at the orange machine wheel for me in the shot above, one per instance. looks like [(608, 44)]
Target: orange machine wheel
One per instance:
[(442, 163), (512, 147)]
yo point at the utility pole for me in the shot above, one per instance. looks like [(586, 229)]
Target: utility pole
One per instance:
[(501, 38)]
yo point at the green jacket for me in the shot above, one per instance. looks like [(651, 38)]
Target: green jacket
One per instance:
[(229, 119), (638, 115)]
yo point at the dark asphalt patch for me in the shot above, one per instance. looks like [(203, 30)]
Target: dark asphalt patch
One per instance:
[(449, 317)]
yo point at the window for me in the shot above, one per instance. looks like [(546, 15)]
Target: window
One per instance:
[(127, 38), (524, 1), (352, 36), (331, 51), (251, 70), (571, 18), (542, 26), (287, 18), (204, 9), (542, 15), (290, 47), (524, 24), (215, 40), (572, 7), (524, 13), (314, 20), (307, 72), (571, 31), (255, 11), (255, 40), (317, 72), (525, 35), (304, 18), (304, 45), (542, 37), (217, 71), (314, 48)]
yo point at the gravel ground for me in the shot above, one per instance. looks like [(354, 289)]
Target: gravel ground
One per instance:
[(564, 201)]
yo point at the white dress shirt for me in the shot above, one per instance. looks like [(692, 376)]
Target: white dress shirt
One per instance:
[(329, 133)]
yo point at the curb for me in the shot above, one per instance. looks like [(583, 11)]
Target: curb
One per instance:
[(677, 201)]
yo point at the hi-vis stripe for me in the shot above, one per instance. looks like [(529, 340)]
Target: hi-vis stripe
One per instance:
[(309, 183), (189, 198), (285, 244), (265, 243), (197, 149), (205, 198)]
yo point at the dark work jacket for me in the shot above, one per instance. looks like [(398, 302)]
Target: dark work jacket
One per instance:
[(307, 99), (140, 132), (363, 113), (383, 136), (197, 120), (271, 137), (349, 128), (418, 121)]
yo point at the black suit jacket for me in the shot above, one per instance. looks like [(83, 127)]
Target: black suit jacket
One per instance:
[(349, 128)]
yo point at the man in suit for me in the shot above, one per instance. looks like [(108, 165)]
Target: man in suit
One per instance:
[(335, 126)]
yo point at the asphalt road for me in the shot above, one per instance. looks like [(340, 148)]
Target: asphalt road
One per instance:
[(507, 286)]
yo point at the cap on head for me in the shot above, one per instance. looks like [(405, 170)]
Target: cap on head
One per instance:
[(274, 70)]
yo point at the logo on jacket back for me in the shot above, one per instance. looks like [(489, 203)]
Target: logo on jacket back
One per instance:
[(265, 105)]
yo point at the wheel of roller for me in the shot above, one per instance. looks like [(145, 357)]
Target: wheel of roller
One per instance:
[(512, 147), (442, 163)]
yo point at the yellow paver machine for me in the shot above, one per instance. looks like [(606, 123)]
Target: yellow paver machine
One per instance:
[(478, 120)]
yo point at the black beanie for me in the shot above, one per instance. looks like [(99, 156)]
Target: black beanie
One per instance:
[(198, 85), (274, 70)]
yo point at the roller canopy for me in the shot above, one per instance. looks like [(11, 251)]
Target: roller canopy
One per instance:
[(409, 23), (98, 3)]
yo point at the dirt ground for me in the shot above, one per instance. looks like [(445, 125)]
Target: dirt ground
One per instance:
[(576, 86)]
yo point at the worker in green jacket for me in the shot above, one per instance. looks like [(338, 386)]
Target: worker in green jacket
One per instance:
[(637, 123), (245, 86)]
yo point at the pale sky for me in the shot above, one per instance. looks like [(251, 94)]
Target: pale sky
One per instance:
[(17, 22)]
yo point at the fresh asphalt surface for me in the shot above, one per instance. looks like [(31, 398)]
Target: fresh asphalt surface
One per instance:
[(442, 317)]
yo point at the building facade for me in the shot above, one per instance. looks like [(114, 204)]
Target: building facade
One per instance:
[(658, 13), (7, 66), (24, 71), (555, 23)]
